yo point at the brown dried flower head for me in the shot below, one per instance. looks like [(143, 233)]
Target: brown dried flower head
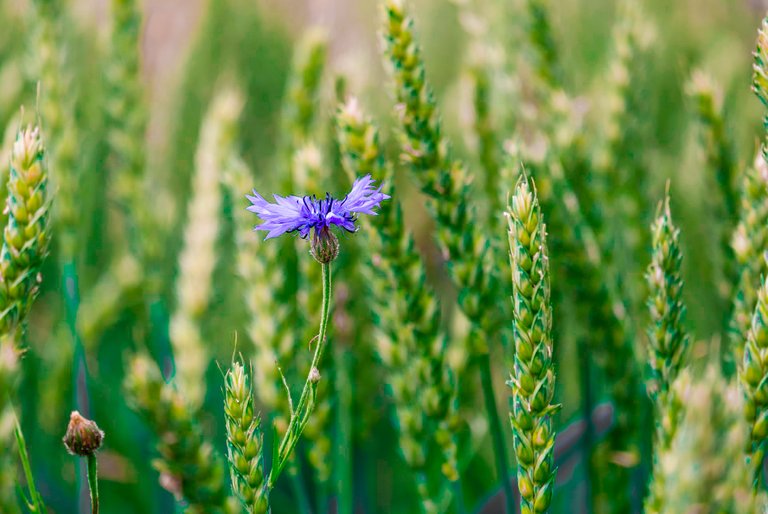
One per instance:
[(83, 436)]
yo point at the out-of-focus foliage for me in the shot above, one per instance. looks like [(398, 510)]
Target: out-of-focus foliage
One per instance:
[(603, 101)]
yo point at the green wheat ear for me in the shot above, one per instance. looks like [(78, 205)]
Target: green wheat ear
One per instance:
[(25, 245), (667, 336), (198, 255), (753, 374), (58, 118), (533, 376), (749, 243), (27, 236), (301, 100), (668, 340), (753, 370), (408, 338), (445, 181), (245, 441), (704, 464), (189, 466), (722, 162)]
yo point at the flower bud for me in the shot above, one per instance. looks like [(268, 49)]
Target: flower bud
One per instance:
[(325, 246), (83, 436)]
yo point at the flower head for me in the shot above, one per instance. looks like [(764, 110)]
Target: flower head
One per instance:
[(307, 213), (83, 436)]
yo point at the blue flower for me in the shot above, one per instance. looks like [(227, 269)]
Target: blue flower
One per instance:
[(307, 213)]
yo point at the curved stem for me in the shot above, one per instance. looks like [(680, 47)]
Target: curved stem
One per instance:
[(300, 415), (497, 436), (93, 483)]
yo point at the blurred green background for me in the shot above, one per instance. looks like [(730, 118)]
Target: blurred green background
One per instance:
[(187, 45)]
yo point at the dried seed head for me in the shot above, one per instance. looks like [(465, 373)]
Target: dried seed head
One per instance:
[(83, 436)]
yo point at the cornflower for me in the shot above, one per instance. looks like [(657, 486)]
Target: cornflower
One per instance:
[(309, 215)]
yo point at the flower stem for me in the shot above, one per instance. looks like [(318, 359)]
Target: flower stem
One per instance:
[(497, 436), (93, 483), (342, 467), (300, 415)]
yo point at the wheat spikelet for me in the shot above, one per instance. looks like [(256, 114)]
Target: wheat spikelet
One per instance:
[(533, 377), (667, 337), (57, 113), (190, 468), (446, 182), (406, 314), (245, 441), (750, 243)]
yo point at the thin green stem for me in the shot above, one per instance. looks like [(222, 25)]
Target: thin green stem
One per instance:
[(497, 436), (93, 483), (34, 501), (300, 415), (342, 467)]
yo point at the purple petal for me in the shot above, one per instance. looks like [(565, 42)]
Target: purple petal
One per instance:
[(285, 215), (346, 222), (305, 214), (363, 198)]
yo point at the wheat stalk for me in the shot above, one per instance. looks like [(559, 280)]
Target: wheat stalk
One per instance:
[(301, 98), (545, 54), (749, 242), (408, 338), (198, 255), (125, 110), (190, 468), (753, 368), (752, 374), (533, 378), (445, 182), (57, 113), (668, 340), (27, 235), (721, 160), (26, 239), (245, 441), (703, 467)]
